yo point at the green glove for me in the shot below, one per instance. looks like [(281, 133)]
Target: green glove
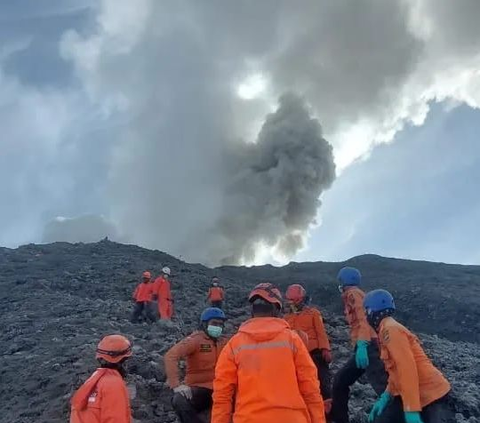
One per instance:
[(379, 406), (361, 355), (413, 417)]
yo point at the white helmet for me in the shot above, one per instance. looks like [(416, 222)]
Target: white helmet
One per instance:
[(166, 271)]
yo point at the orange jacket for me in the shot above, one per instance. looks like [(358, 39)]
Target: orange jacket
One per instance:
[(355, 315), (143, 292), (411, 373), (103, 398), (265, 375), (303, 336), (201, 353), (161, 287), (216, 293), (309, 320)]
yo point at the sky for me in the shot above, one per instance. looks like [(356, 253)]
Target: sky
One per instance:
[(243, 132)]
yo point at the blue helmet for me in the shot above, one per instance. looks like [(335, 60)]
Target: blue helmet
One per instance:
[(378, 300), (349, 276), (212, 313)]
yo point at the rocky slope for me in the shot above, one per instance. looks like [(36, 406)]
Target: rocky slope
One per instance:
[(58, 300)]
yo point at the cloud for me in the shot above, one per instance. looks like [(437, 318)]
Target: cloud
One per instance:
[(88, 228), (162, 80)]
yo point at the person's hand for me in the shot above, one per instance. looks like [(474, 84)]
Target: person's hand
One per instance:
[(361, 355), (413, 417), (327, 405), (379, 406), (327, 355), (184, 390)]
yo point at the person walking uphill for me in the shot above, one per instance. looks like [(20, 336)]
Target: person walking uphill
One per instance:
[(164, 295), (216, 294), (417, 392), (264, 373), (201, 350), (104, 398), (308, 319), (366, 358), (143, 296)]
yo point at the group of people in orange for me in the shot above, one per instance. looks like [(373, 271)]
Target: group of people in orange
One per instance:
[(148, 292), (276, 368)]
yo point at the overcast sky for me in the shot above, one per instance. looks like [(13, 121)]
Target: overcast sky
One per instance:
[(230, 132)]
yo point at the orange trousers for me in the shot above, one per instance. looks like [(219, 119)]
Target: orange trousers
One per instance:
[(165, 309)]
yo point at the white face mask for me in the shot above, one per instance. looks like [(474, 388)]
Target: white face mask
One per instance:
[(214, 331)]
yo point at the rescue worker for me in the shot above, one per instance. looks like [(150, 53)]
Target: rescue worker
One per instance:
[(200, 350), (366, 358), (104, 397), (216, 294), (302, 317), (417, 392), (264, 373), (163, 294), (143, 296)]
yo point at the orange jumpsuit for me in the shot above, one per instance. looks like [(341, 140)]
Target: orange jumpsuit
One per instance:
[(103, 398), (201, 353), (411, 374), (165, 298), (265, 375)]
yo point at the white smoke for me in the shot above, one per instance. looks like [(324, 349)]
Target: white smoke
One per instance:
[(88, 228), (176, 83)]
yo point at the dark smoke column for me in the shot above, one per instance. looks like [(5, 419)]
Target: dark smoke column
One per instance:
[(274, 195)]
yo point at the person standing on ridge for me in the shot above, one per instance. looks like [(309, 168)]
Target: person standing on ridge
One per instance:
[(104, 397), (163, 294), (302, 317), (265, 373), (366, 358), (143, 296), (417, 392), (201, 350), (216, 294)]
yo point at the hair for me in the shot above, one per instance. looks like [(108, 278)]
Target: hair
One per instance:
[(119, 367), (262, 308)]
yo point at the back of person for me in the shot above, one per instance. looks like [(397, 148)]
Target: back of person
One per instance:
[(355, 315), (307, 321), (432, 385), (274, 374), (103, 398)]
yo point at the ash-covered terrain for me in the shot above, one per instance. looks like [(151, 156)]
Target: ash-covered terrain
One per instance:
[(58, 300)]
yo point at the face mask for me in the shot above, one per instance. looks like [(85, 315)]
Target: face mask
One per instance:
[(214, 331)]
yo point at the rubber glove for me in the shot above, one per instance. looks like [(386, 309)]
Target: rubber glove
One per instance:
[(184, 390), (327, 355), (361, 356), (413, 417), (379, 406)]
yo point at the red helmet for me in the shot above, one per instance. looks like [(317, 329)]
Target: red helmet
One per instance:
[(268, 292), (296, 294), (147, 275), (114, 348)]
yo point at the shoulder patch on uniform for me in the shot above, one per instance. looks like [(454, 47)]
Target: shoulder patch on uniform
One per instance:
[(205, 347)]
